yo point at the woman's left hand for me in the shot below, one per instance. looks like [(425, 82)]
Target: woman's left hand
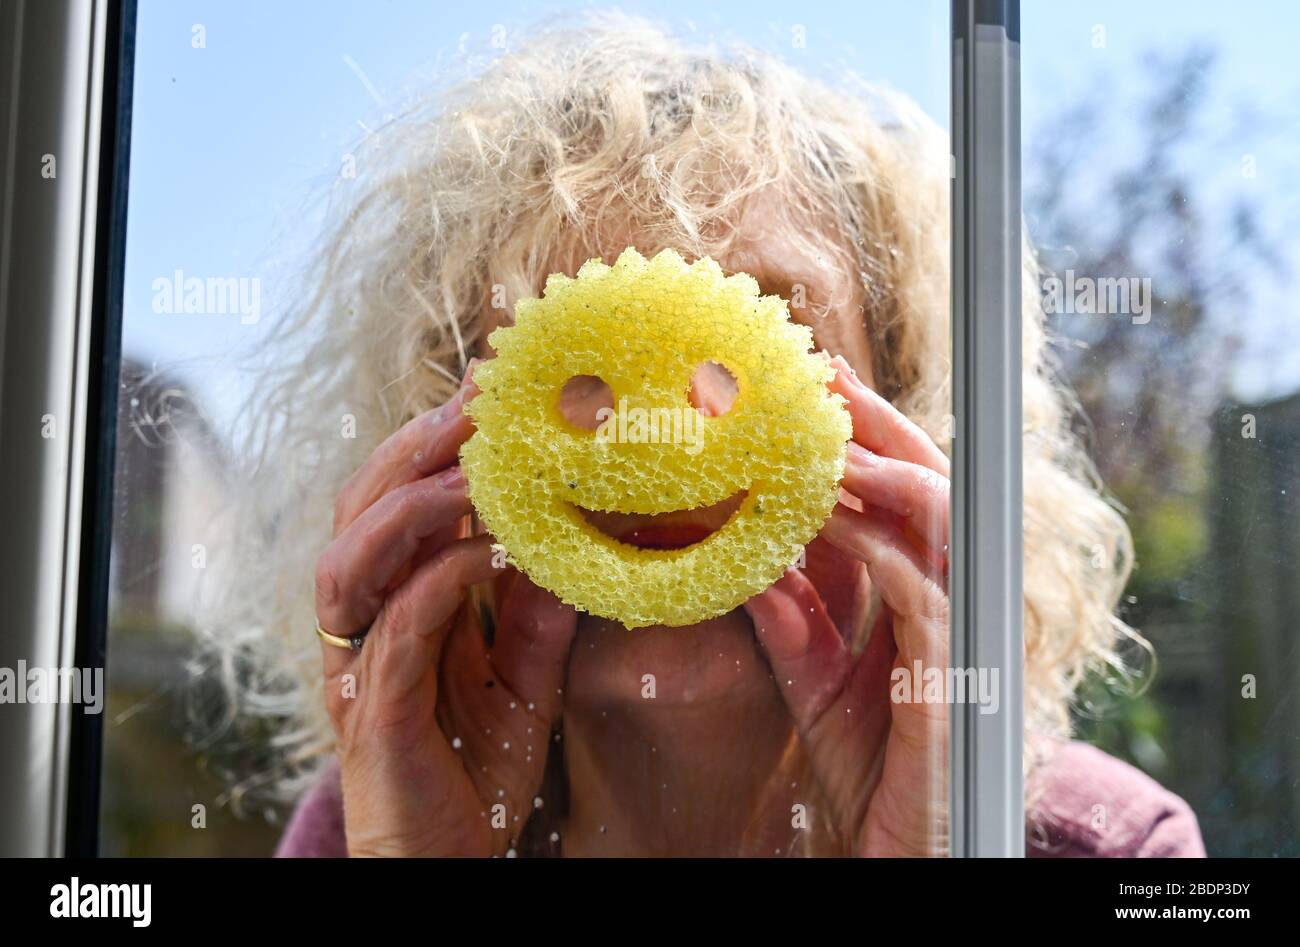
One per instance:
[(881, 763)]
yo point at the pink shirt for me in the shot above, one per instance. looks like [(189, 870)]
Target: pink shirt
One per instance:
[(1091, 806)]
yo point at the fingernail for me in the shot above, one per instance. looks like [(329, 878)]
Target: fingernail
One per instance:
[(863, 456), (450, 406), (452, 477), (850, 372)]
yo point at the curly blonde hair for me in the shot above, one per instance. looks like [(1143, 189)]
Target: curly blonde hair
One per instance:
[(471, 196)]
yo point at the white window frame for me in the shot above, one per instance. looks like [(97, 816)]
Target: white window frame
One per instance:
[(987, 543), (64, 115)]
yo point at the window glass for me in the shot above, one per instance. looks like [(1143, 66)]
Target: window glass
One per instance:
[(1160, 149), (331, 205)]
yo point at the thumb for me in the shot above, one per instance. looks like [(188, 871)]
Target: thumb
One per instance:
[(838, 702), (531, 648), (808, 656)]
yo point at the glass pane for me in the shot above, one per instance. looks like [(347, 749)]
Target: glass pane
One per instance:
[(1159, 155), (331, 212)]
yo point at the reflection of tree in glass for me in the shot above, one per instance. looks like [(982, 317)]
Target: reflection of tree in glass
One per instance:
[(1136, 187), (169, 480)]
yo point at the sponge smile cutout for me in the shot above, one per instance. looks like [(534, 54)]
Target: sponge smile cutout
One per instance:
[(676, 529), (655, 530)]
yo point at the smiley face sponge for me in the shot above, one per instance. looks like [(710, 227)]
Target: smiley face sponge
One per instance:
[(644, 326)]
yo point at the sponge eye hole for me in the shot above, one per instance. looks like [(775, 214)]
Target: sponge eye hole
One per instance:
[(713, 389), (582, 399)]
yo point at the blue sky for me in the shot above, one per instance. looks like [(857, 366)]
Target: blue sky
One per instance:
[(235, 142)]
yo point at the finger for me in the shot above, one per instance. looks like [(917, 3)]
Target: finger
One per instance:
[(917, 494), (531, 650), (842, 583), (808, 656), (882, 428), (355, 572), (420, 447), (907, 583), (839, 704), (500, 705), (408, 633)]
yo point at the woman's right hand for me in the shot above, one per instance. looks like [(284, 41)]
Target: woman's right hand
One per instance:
[(435, 732)]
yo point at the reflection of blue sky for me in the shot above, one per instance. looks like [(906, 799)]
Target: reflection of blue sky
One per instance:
[(234, 143), (1255, 87)]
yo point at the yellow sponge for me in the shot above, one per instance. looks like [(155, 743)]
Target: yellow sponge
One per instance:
[(644, 326)]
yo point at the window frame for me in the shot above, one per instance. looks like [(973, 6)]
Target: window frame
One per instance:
[(986, 585), (66, 90)]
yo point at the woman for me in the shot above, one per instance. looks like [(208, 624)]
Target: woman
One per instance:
[(522, 727)]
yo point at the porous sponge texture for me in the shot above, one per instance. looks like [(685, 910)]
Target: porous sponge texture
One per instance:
[(644, 326)]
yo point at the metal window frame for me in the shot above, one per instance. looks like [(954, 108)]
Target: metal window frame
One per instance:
[(65, 90), (987, 541)]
